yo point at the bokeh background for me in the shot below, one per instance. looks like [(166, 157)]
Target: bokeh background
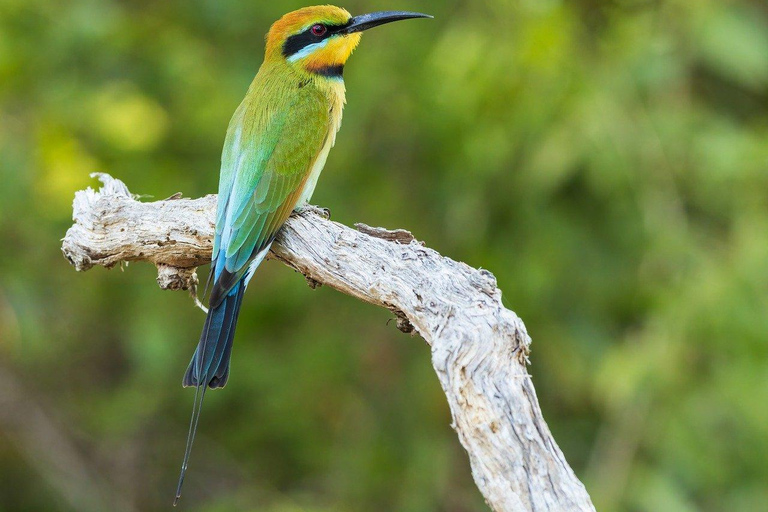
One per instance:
[(606, 159)]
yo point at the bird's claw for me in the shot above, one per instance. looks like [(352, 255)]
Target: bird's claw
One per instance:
[(317, 210)]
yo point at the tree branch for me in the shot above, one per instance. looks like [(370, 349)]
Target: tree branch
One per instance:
[(479, 348)]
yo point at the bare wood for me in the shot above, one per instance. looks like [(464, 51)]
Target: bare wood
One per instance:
[(479, 348)]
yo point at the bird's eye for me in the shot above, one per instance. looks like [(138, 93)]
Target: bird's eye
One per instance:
[(318, 30)]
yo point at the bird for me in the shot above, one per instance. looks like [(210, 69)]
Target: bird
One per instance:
[(276, 146)]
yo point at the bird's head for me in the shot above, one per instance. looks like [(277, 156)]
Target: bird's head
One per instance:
[(320, 39)]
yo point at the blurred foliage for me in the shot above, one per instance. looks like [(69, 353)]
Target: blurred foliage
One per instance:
[(607, 160)]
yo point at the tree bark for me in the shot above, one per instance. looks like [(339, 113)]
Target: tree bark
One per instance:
[(479, 348)]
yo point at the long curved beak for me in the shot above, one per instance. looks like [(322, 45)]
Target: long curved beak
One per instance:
[(374, 19)]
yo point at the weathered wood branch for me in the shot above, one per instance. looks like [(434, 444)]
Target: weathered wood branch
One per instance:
[(479, 348)]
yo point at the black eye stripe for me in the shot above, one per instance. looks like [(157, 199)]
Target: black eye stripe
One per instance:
[(298, 41)]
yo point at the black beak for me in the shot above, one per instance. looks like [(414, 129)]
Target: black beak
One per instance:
[(374, 19)]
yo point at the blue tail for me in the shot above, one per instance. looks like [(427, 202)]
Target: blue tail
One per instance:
[(210, 364)]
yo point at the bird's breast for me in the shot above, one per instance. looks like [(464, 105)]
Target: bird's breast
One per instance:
[(314, 173), (336, 106)]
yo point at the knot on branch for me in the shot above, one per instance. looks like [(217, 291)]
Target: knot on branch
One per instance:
[(403, 324), (176, 278), (401, 236)]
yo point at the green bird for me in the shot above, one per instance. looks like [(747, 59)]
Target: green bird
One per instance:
[(276, 145)]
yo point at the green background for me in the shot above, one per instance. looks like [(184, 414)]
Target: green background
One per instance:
[(606, 160)]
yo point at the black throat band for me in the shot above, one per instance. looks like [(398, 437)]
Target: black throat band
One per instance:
[(335, 71)]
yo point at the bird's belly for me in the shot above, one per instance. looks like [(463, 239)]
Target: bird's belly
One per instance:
[(314, 174)]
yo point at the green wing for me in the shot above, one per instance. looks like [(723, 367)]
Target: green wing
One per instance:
[(267, 156)]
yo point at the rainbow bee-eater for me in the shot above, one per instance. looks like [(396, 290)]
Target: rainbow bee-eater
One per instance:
[(276, 145)]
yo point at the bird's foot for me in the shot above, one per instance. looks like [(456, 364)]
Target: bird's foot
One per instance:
[(317, 210)]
